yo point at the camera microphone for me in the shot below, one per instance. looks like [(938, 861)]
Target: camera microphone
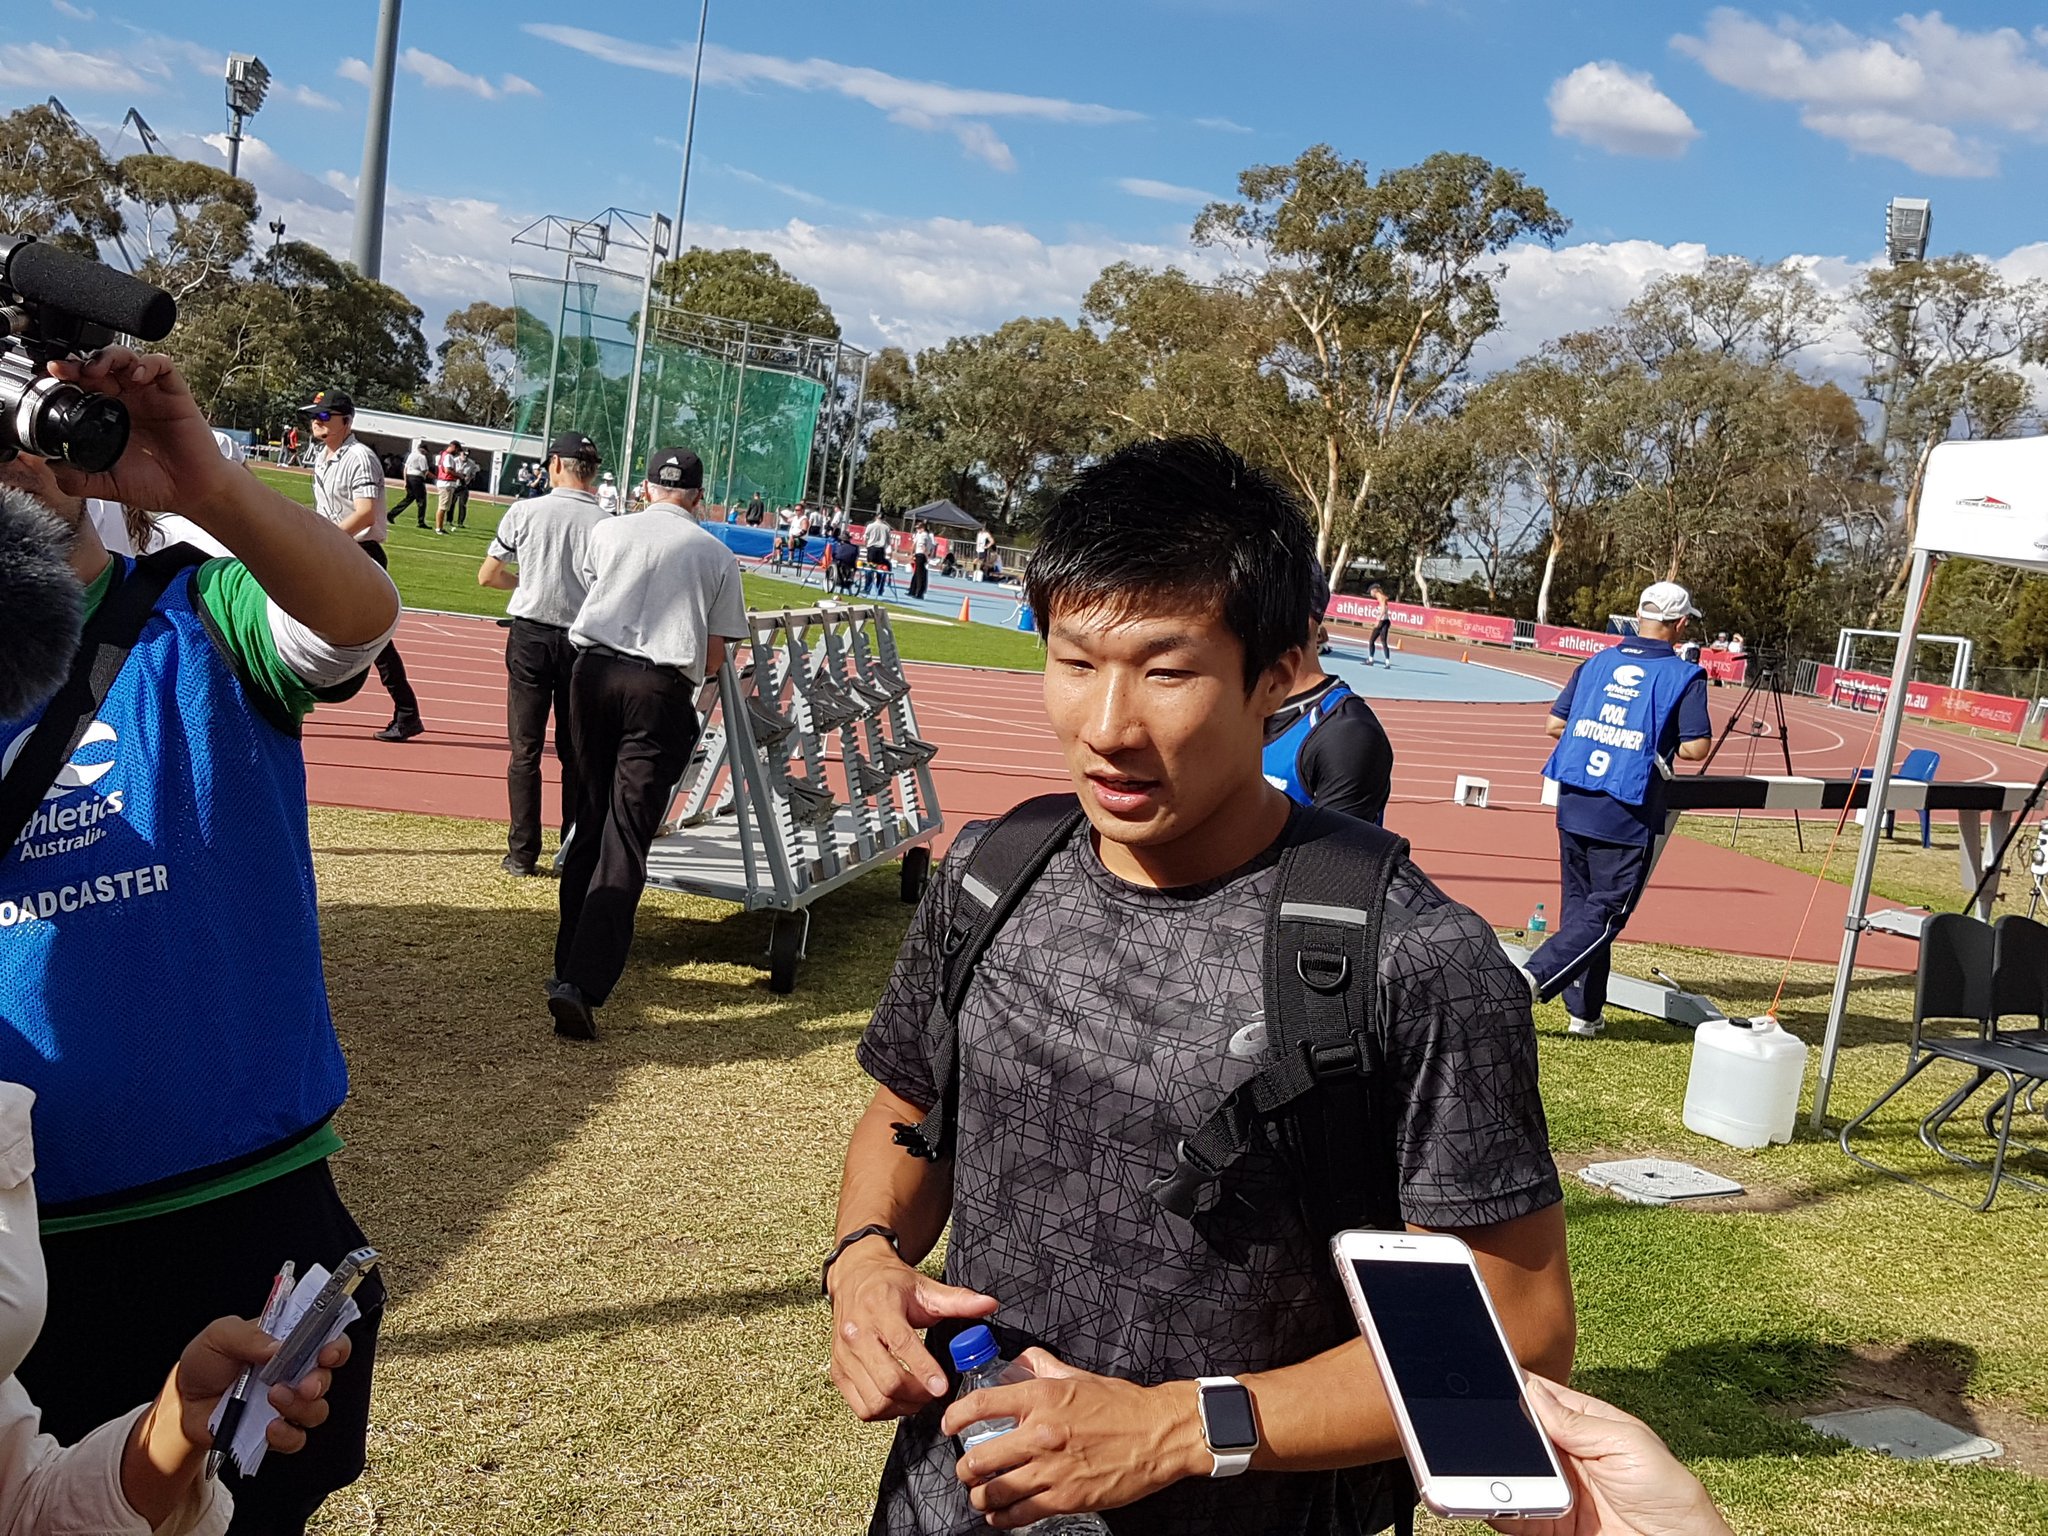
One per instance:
[(45, 274), (43, 600)]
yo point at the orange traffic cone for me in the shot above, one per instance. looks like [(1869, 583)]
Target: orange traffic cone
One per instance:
[(966, 610), (1466, 657)]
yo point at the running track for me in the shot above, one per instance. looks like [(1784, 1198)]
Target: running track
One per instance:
[(996, 749)]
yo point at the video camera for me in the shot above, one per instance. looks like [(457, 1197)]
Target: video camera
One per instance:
[(55, 305)]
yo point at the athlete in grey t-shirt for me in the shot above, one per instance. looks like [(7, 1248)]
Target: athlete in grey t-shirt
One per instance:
[(664, 598)]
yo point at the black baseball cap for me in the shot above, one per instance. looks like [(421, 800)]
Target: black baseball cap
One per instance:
[(333, 401), (574, 445), (676, 469)]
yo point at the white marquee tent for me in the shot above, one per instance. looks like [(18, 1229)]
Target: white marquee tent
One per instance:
[(1979, 501)]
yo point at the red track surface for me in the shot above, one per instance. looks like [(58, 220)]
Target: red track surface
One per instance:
[(996, 749)]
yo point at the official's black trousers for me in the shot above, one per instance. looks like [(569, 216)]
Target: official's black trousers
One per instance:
[(631, 730), (126, 1299), (405, 704), (538, 662), (1599, 886), (920, 575), (460, 505), (415, 496)]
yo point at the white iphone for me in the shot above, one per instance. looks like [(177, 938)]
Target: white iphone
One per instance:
[(1472, 1440)]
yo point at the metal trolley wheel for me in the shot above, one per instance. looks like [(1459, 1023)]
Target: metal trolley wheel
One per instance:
[(917, 874), (786, 944)]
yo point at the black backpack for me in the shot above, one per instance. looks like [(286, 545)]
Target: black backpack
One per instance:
[(1323, 1018)]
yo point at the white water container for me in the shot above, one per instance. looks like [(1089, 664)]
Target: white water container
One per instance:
[(1746, 1076)]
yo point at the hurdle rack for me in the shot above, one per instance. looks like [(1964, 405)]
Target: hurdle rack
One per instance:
[(808, 773)]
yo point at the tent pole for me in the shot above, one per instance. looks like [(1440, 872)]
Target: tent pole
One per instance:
[(1873, 827)]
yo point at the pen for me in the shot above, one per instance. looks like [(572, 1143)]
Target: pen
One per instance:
[(238, 1395)]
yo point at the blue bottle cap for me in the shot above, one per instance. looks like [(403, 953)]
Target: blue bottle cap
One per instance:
[(973, 1348)]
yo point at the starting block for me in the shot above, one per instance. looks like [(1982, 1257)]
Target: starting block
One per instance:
[(1654, 999), (1472, 791)]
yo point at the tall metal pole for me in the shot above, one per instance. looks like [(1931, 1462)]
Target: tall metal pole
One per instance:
[(234, 143), (655, 244), (367, 248), (732, 452), (853, 440), (825, 456), (1873, 824), (547, 415), (690, 124)]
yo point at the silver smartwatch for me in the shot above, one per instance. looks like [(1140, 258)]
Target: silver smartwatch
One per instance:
[(1228, 1424)]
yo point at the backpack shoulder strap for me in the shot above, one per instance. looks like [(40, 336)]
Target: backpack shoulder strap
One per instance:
[(1009, 857), (103, 647), (1324, 1032)]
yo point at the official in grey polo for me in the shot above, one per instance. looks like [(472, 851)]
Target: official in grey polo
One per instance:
[(664, 598), (538, 555), (348, 490)]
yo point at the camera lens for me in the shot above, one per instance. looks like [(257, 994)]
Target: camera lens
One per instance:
[(67, 423)]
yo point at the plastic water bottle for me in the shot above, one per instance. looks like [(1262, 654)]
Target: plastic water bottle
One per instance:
[(1538, 922), (980, 1365)]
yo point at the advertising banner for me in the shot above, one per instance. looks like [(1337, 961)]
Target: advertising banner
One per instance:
[(1414, 619), (1577, 643), (1987, 499), (1929, 701)]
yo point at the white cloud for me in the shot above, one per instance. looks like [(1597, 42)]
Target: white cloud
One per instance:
[(517, 85), (306, 96), (1165, 191), (1911, 94), (353, 69), (926, 105), (438, 73), (1619, 110), (76, 13), (39, 67), (1221, 125)]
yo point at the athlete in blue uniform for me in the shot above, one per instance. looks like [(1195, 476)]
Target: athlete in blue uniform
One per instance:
[(1325, 746), (1621, 718)]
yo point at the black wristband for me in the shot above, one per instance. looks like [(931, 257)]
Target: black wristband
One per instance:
[(872, 1229)]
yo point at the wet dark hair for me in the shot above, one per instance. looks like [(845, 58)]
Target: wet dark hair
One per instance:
[(1180, 522)]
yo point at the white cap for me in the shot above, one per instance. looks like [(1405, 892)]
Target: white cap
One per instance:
[(1666, 602), (230, 447)]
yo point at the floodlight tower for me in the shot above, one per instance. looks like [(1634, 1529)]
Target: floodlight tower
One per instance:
[(1908, 222), (366, 250), (248, 83)]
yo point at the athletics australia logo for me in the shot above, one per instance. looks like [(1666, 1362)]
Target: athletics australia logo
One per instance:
[(70, 818), (1989, 503)]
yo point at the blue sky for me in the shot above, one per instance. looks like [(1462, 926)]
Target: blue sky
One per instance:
[(937, 166)]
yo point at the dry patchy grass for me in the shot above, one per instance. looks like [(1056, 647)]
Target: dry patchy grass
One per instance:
[(604, 1314)]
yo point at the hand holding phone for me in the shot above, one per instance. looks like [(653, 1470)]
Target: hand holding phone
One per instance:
[(1466, 1423)]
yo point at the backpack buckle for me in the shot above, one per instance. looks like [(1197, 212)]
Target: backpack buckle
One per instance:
[(1334, 1058), (1181, 1187)]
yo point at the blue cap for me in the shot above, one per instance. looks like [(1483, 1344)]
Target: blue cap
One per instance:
[(973, 1348)]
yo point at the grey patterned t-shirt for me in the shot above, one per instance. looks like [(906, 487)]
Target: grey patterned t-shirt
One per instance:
[(1105, 1021)]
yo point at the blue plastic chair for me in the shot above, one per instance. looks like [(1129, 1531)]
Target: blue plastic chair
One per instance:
[(1920, 766)]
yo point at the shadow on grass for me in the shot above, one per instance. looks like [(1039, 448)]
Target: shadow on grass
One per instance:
[(463, 1094), (1731, 1399), (515, 1333)]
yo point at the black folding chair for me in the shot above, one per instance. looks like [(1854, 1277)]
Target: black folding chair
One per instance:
[(1957, 957)]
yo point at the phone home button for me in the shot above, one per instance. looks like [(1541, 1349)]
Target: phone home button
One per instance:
[(1501, 1493)]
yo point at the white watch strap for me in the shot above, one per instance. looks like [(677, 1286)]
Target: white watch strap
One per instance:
[(1222, 1463)]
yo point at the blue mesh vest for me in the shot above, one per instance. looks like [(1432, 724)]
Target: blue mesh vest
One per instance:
[(1620, 706), (1282, 764), (160, 979)]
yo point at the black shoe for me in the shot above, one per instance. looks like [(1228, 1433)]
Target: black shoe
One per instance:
[(574, 1019), (401, 730), (515, 866)]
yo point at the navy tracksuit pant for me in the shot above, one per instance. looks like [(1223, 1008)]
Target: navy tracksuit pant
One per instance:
[(1600, 884)]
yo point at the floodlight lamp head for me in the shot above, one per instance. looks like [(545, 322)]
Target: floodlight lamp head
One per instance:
[(1908, 222), (248, 83)]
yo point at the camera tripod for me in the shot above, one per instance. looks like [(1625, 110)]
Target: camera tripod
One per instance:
[(1764, 679)]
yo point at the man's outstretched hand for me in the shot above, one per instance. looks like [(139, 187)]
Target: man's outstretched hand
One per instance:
[(172, 463)]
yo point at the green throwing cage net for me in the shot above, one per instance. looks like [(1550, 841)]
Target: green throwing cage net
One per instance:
[(739, 397)]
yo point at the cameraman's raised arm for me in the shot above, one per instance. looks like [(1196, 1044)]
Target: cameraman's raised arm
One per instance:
[(310, 568)]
